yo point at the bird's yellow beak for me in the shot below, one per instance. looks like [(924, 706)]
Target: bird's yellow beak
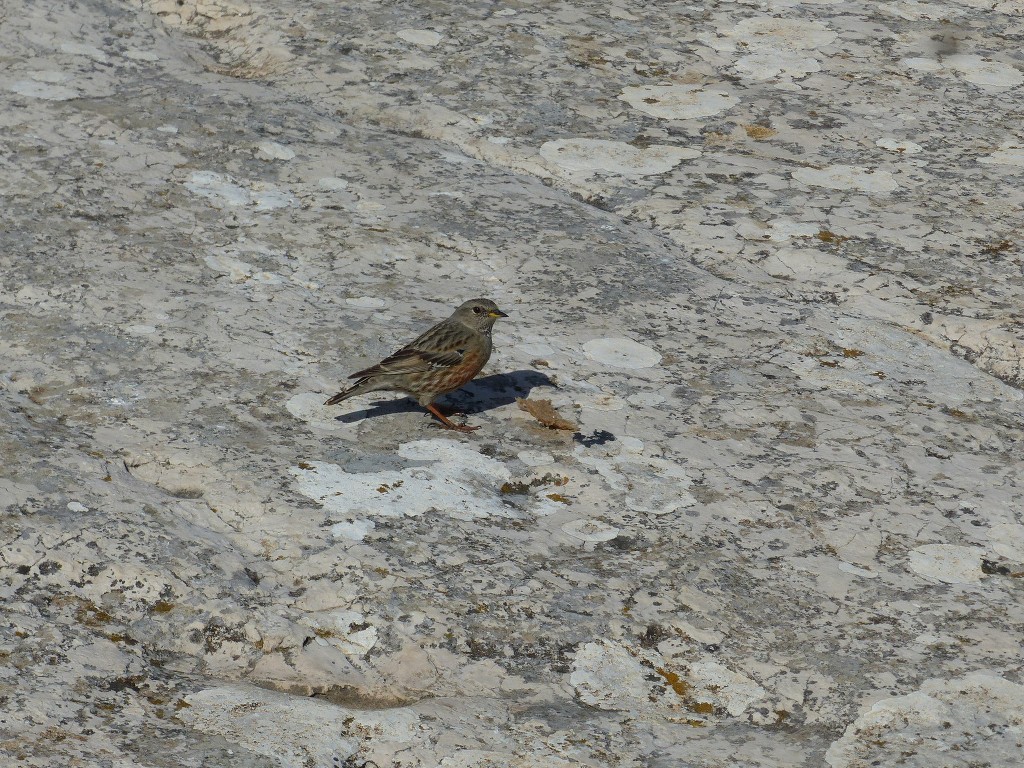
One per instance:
[(496, 313)]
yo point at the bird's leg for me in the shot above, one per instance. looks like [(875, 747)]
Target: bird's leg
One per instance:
[(448, 423)]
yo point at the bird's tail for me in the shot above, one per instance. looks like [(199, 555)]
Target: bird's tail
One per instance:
[(363, 385)]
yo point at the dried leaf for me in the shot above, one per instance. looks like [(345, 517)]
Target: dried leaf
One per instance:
[(544, 412)]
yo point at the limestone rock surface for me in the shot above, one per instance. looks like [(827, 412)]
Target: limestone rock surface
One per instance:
[(767, 256)]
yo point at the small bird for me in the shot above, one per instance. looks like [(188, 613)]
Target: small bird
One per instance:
[(441, 360)]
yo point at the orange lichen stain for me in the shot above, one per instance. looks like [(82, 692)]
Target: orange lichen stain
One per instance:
[(118, 637), (676, 683), (829, 363), (703, 708), (997, 247), (831, 237), (161, 607), (852, 352), (91, 616), (520, 487), (305, 465), (559, 498)]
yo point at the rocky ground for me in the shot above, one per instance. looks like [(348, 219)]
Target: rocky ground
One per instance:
[(762, 258)]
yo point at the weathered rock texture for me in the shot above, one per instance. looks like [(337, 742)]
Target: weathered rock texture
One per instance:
[(766, 257)]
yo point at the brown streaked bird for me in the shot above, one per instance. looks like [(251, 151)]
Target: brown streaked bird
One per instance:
[(439, 361)]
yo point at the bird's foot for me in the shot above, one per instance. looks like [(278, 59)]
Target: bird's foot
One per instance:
[(461, 427), (447, 423)]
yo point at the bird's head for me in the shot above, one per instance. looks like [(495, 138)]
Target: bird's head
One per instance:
[(479, 314)]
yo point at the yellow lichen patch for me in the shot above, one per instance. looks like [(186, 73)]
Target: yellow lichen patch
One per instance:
[(559, 498), (676, 683), (305, 465), (161, 607), (852, 352), (759, 132)]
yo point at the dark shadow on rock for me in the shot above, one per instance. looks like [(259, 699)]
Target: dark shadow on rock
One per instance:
[(478, 396)]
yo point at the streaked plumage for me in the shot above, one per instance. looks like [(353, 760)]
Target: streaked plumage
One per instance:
[(439, 361)]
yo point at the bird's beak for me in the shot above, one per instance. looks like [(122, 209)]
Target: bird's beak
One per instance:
[(496, 313)]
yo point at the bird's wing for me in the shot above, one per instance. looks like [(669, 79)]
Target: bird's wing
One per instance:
[(412, 360), (442, 346)]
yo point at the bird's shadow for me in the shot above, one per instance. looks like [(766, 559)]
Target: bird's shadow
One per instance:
[(480, 395)]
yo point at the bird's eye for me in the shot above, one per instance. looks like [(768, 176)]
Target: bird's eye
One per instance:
[(477, 310)]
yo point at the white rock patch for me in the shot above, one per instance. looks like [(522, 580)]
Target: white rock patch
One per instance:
[(947, 563), (769, 32), (428, 38), (332, 184), (899, 145), (293, 731), (455, 480), (1007, 539), (921, 64), (83, 49), (678, 102), (536, 458), (586, 157), (1008, 154), (353, 529), (652, 485), (222, 190), (986, 73), (309, 407), (847, 177), (44, 91), (348, 631), (621, 353), (765, 65), (366, 302), (732, 690), (979, 716), (606, 676), (590, 530), (271, 150)]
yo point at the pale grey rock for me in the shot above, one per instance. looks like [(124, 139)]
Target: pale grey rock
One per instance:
[(766, 257)]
